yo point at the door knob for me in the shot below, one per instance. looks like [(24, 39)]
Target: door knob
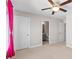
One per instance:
[(27, 34)]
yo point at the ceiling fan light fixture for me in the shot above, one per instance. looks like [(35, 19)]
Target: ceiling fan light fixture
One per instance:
[(55, 9)]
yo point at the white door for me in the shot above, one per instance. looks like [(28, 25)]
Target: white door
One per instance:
[(21, 32)]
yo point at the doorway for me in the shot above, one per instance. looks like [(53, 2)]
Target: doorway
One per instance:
[(45, 32)]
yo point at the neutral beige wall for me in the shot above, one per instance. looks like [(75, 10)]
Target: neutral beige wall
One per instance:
[(36, 28)]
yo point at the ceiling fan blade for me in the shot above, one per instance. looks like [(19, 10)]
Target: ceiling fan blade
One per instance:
[(53, 12), (63, 10), (46, 8), (66, 2), (51, 2)]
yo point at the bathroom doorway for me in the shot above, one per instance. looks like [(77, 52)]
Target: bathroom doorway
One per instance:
[(45, 32)]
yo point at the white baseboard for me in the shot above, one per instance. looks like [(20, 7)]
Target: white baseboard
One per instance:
[(37, 45), (54, 42), (69, 45)]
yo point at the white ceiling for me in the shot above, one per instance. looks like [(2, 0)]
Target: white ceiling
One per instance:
[(35, 6)]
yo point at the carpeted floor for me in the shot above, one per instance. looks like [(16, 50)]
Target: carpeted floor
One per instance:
[(55, 51)]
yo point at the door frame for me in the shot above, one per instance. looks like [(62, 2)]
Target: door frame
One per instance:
[(28, 38)]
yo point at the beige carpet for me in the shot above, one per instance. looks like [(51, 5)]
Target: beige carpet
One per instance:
[(56, 51)]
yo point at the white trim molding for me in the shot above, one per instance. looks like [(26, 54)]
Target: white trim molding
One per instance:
[(37, 45)]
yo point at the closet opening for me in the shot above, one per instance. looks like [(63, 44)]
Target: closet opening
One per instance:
[(45, 32)]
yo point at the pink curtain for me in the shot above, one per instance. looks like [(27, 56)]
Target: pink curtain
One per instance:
[(10, 51)]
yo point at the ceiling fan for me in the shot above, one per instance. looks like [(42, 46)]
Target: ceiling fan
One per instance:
[(56, 7)]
